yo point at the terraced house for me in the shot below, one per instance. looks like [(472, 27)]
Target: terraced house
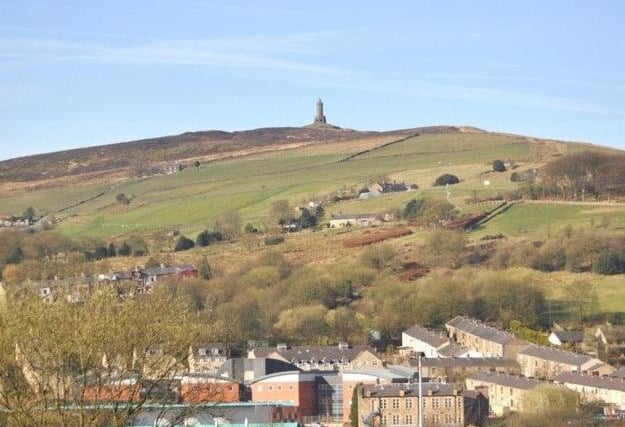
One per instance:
[(431, 343), (484, 339), (593, 388), (505, 392), (398, 405), (546, 362)]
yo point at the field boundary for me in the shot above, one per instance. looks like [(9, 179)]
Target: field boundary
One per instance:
[(370, 150)]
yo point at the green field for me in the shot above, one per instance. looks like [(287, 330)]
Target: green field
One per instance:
[(191, 200)]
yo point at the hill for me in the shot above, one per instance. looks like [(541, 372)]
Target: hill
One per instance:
[(185, 148), (247, 171)]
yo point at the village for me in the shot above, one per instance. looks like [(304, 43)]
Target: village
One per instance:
[(468, 375)]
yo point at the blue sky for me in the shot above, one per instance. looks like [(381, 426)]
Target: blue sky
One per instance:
[(77, 73)]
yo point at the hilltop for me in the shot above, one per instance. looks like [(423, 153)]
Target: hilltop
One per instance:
[(184, 148)]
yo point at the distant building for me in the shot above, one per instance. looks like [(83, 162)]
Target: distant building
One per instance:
[(355, 220), (488, 341), (200, 388), (432, 344), (398, 405), (571, 338), (593, 388), (324, 358), (547, 362), (454, 370), (319, 119), (505, 392), (206, 358)]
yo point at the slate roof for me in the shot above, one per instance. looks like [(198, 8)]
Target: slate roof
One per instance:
[(452, 350), (426, 335), (467, 362), (236, 368), (332, 354), (409, 389), (554, 355), (481, 330), (620, 373), (506, 380), (569, 336), (605, 382)]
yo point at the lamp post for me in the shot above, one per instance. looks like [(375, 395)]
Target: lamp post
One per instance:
[(420, 354)]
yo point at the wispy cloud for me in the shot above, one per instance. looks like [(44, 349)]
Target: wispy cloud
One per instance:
[(282, 52)]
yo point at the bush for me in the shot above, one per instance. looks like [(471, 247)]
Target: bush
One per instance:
[(413, 208), (273, 240), (124, 249), (515, 177), (499, 166), (445, 179), (609, 263), (250, 228), (15, 256), (206, 238), (379, 257), (183, 244), (122, 199)]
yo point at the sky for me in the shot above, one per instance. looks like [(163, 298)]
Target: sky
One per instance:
[(78, 73)]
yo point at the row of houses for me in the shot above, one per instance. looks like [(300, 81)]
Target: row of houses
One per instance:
[(127, 283), (13, 221)]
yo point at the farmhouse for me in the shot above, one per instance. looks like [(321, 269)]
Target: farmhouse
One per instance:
[(355, 220), (488, 341), (546, 362), (505, 392), (398, 405)]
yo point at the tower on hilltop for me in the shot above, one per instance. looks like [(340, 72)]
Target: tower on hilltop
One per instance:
[(319, 117)]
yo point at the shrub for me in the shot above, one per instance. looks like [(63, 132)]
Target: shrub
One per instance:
[(379, 257), (124, 249), (515, 177), (122, 199), (183, 244), (15, 256), (445, 179), (273, 240), (250, 228), (499, 166), (608, 263), (413, 208)]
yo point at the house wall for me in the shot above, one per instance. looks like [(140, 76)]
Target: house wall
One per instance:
[(404, 410), (595, 394), (502, 399), (418, 345)]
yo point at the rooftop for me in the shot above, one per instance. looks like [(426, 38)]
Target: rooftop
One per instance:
[(331, 354), (479, 329), (569, 336), (507, 380), (605, 382), (426, 335), (468, 362), (554, 355), (408, 389)]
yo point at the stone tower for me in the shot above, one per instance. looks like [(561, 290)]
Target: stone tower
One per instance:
[(319, 117)]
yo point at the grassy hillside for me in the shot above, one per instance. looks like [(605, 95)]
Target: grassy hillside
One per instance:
[(192, 199)]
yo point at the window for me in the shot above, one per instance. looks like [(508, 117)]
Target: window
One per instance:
[(448, 419), (408, 420), (270, 387), (384, 420), (435, 403), (396, 420), (448, 402), (436, 419), (383, 403), (395, 403), (408, 403)]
